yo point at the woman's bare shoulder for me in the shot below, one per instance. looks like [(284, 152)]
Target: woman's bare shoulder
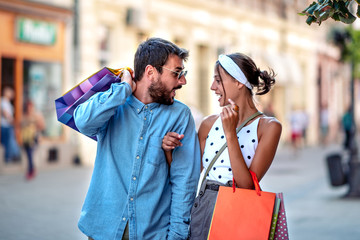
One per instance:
[(207, 123), (267, 123), (270, 123)]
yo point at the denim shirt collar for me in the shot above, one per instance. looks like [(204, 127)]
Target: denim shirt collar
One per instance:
[(138, 106)]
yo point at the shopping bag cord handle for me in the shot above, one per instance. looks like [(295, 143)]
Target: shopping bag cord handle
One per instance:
[(255, 181)]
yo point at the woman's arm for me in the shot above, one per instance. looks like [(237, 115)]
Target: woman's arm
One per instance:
[(269, 131)]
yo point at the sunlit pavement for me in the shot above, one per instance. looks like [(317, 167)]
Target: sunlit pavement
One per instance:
[(315, 209), (48, 207)]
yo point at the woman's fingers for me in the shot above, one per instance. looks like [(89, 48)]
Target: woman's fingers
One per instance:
[(171, 140), (234, 106), (229, 116)]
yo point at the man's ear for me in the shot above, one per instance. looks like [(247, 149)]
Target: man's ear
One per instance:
[(150, 72)]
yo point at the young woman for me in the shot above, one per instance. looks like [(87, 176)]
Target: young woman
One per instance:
[(252, 148), (31, 126)]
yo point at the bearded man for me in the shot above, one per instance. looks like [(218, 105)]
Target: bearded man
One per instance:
[(134, 193)]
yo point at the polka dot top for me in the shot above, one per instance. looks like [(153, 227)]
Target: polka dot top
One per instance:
[(221, 170)]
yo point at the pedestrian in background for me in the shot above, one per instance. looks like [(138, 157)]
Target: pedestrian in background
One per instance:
[(133, 193), (324, 123), (346, 122), (32, 125), (297, 129), (8, 139), (305, 123), (253, 148)]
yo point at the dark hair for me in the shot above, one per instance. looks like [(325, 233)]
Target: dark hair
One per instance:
[(155, 52), (262, 80)]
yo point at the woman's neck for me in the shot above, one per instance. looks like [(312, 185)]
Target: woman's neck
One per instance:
[(246, 109)]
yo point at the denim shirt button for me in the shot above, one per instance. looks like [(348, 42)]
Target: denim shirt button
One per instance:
[(195, 204), (201, 193)]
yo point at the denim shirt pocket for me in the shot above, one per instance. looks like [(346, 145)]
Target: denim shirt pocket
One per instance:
[(155, 153)]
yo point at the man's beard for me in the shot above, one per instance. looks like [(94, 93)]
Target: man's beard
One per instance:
[(160, 94)]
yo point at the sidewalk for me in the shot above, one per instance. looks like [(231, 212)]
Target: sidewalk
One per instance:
[(315, 209), (49, 206)]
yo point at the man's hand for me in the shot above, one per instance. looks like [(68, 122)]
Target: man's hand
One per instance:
[(171, 140), (126, 77)]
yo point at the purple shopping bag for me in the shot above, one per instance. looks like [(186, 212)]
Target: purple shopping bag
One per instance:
[(98, 82)]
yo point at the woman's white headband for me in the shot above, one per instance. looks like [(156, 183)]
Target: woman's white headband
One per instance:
[(233, 69)]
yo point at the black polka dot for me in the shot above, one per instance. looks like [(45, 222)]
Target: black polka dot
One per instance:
[(222, 161), (248, 131), (214, 168), (207, 174), (206, 160), (211, 144), (249, 157), (216, 152), (216, 128), (238, 137), (207, 136), (222, 136), (253, 140), (219, 176), (242, 146), (229, 169)]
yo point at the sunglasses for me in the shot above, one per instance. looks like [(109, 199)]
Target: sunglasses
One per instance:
[(179, 74)]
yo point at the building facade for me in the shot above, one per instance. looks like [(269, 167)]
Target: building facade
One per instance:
[(271, 32), (309, 75), (35, 43)]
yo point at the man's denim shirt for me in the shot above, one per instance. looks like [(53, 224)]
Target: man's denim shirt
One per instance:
[(132, 181)]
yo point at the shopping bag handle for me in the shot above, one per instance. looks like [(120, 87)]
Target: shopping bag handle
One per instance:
[(255, 181), (119, 72)]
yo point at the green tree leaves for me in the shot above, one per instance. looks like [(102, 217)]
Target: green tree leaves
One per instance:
[(339, 10)]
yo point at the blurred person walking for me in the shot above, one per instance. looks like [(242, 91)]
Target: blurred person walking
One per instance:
[(252, 148), (31, 126), (346, 123), (297, 129), (324, 123), (8, 139), (305, 123), (133, 193)]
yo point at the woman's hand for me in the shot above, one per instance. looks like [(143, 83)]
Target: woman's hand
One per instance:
[(171, 140), (230, 117)]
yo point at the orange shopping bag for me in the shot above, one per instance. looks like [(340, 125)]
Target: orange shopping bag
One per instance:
[(242, 213)]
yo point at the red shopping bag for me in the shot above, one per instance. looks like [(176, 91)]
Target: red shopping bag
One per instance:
[(242, 213), (98, 82)]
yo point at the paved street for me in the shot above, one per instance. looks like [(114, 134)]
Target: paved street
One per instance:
[(48, 207)]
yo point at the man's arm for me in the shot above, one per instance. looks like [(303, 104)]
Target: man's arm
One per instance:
[(93, 114), (184, 176)]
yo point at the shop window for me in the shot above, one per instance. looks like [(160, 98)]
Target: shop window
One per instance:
[(7, 72), (42, 85)]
